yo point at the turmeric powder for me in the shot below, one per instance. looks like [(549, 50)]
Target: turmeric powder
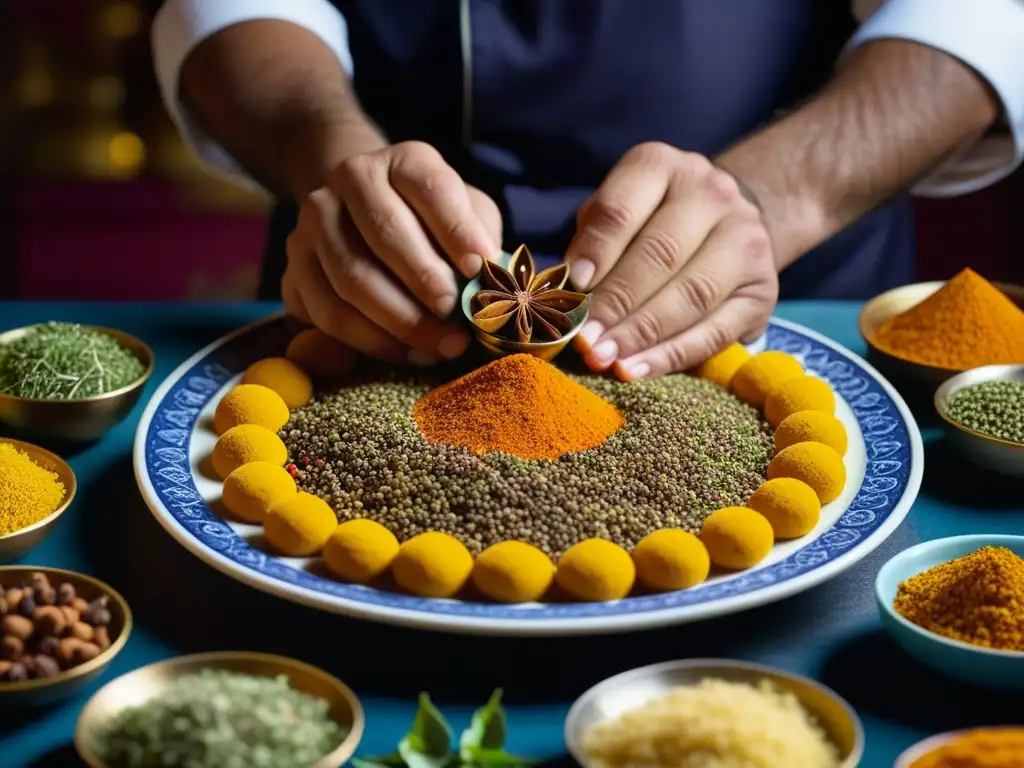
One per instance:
[(976, 599), (966, 324), (28, 492), (979, 748)]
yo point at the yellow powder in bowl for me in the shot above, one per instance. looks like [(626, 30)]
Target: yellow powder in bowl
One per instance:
[(713, 724), (28, 493)]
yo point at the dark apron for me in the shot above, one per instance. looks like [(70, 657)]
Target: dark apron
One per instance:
[(560, 89)]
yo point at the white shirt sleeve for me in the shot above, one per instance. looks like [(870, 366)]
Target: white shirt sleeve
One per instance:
[(987, 35), (180, 25)]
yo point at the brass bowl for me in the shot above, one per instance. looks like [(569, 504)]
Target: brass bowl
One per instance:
[(922, 748), (79, 420), (982, 450), (46, 691), (143, 684), (629, 690), (912, 378), (499, 346), (18, 544)]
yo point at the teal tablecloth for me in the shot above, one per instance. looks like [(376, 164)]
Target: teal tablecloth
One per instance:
[(181, 606)]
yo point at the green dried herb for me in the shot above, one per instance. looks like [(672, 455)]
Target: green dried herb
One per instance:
[(221, 719), (427, 744), (61, 361)]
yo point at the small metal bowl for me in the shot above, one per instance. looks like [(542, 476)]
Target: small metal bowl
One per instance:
[(143, 684), (499, 346), (46, 691), (18, 544), (907, 376), (922, 748), (629, 690), (980, 449), (79, 420)]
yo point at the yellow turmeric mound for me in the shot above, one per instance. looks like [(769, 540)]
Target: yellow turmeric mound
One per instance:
[(737, 538), (980, 748), (965, 324), (432, 564), (816, 464), (596, 570), (518, 405), (360, 550), (671, 559), (802, 393), (245, 443), (28, 493), (811, 427), (513, 572), (250, 404), (722, 367), (252, 489), (284, 377), (762, 373)]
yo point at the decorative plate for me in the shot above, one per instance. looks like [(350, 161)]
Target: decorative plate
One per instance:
[(884, 465)]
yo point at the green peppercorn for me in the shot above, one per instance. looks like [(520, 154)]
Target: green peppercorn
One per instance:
[(994, 408)]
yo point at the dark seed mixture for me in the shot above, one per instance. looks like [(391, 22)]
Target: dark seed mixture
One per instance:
[(687, 448), (993, 408)]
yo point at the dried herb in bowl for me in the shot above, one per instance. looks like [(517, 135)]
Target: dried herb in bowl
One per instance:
[(62, 361), (222, 719)]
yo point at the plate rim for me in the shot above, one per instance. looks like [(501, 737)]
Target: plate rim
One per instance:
[(525, 626)]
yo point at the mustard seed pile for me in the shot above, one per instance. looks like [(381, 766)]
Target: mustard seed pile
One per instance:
[(687, 448)]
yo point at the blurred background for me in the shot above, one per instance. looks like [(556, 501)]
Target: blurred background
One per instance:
[(100, 199)]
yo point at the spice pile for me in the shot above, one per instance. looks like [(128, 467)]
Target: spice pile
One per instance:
[(221, 719), (981, 748), (47, 630), (713, 723), (60, 361), (28, 493), (976, 599), (966, 324), (994, 408)]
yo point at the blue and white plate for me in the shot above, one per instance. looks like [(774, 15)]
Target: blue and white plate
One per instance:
[(884, 465)]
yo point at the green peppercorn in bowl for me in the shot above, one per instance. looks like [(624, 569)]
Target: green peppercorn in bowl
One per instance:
[(983, 411), (67, 382), (291, 713)]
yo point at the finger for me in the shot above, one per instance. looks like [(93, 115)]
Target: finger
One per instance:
[(337, 318), (440, 198), (733, 319), (292, 300), (489, 213), (733, 252), (359, 280), (394, 233), (609, 220)]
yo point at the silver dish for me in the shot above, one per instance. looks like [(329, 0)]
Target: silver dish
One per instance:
[(629, 690), (984, 450)]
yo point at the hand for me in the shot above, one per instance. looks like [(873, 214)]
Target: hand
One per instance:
[(679, 262), (370, 259)]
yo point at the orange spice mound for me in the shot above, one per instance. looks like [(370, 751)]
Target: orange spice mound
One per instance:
[(518, 405), (965, 324)]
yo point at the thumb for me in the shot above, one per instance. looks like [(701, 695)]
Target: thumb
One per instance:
[(488, 213)]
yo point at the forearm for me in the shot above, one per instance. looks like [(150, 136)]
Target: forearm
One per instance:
[(276, 98), (892, 114)]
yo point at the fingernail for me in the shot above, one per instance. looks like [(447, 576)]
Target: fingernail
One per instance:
[(606, 351), (591, 332), (444, 306), (581, 272), (420, 358), (636, 371), (470, 264), (453, 345)]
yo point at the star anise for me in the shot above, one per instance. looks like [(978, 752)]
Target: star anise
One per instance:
[(538, 302)]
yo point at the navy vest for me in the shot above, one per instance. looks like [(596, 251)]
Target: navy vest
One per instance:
[(534, 101)]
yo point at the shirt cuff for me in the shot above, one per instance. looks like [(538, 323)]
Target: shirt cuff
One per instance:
[(986, 35), (180, 25)]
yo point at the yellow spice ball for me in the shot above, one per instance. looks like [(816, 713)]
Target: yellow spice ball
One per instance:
[(321, 355), (801, 393), (816, 464), (432, 564), (250, 404), (300, 525), (722, 367), (246, 443), (736, 537), (811, 427), (671, 559), (513, 572), (360, 550), (252, 489), (761, 374), (596, 570), (284, 377), (790, 505)]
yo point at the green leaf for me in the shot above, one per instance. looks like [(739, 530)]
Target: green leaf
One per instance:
[(487, 729), (428, 742), (496, 758), (379, 761)]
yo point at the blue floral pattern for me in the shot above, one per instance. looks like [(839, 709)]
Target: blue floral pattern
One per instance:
[(888, 478)]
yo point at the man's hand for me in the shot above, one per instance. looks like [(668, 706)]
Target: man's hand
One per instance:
[(370, 261), (679, 262)]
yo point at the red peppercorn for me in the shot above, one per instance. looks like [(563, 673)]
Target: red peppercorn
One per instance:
[(293, 471), (305, 459), (320, 462)]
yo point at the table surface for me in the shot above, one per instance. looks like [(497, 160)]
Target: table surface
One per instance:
[(831, 633)]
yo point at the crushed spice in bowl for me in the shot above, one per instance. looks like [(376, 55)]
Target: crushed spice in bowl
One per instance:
[(29, 493), (978, 748)]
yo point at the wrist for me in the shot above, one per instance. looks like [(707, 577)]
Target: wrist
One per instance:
[(322, 143)]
